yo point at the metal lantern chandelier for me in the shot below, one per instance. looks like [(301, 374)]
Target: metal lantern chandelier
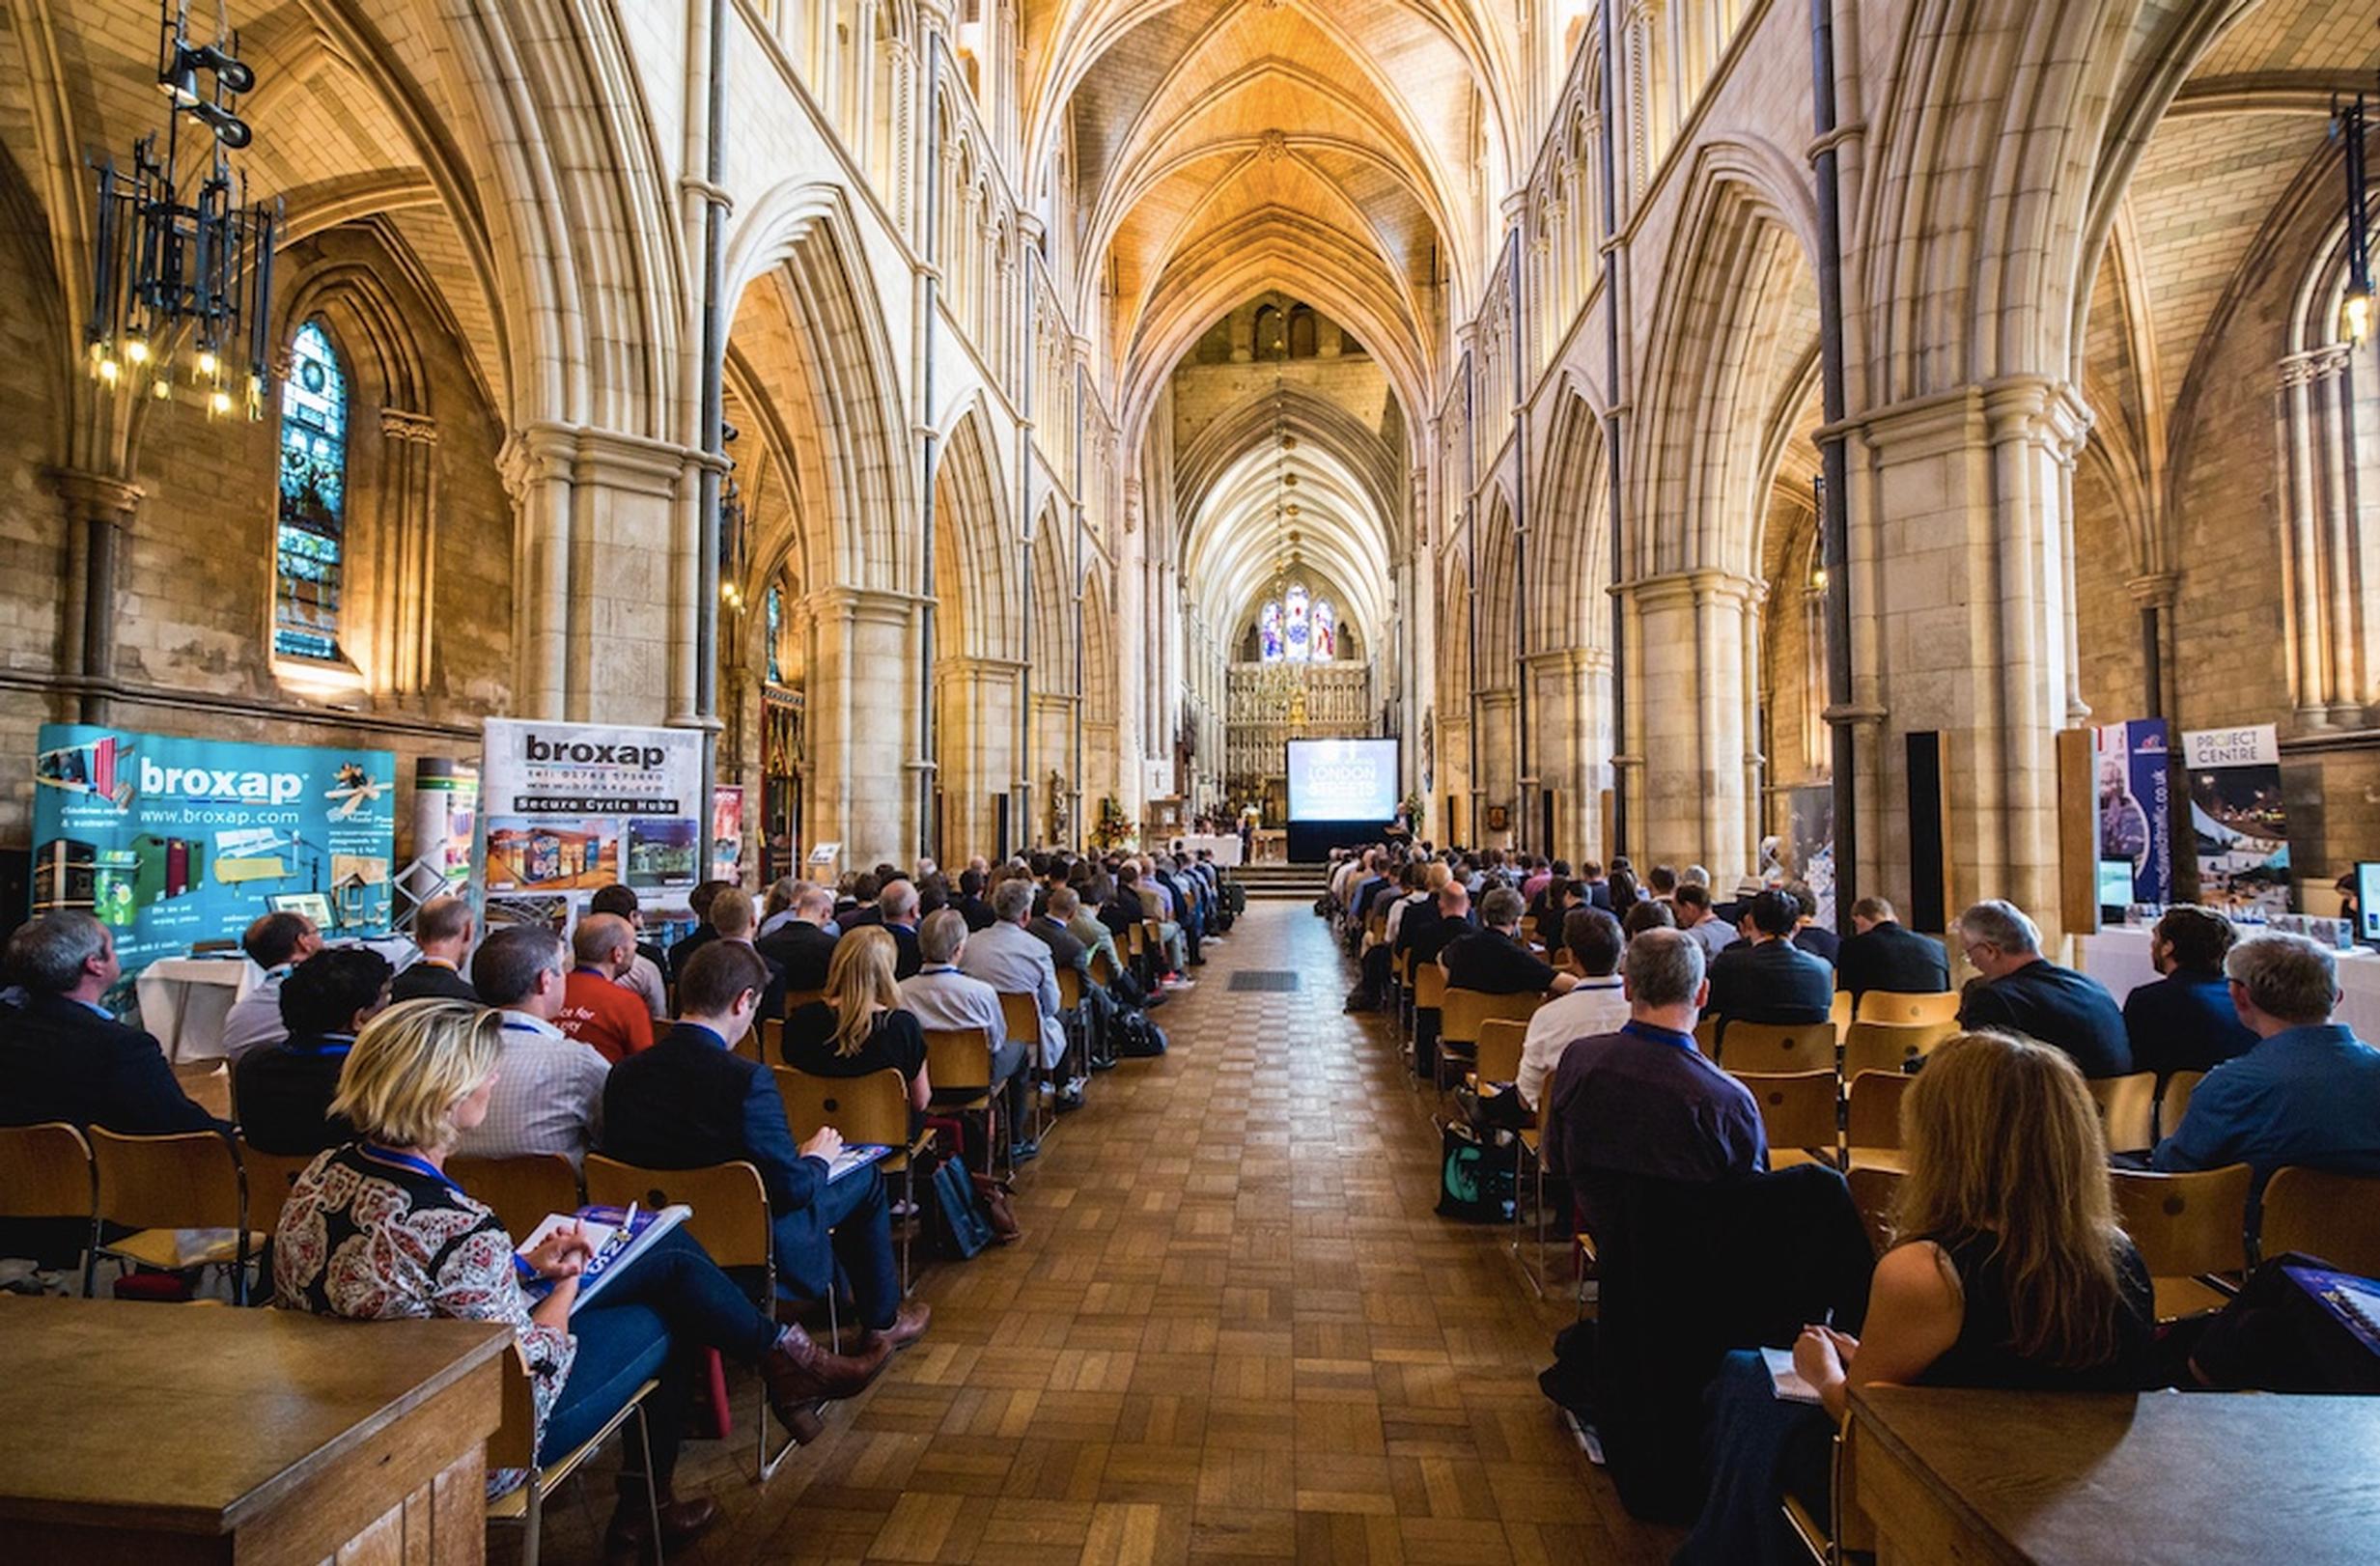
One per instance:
[(184, 266), (2348, 123)]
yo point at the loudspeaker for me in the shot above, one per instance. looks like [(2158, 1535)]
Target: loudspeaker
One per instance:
[(999, 826), (1929, 864), (1549, 811)]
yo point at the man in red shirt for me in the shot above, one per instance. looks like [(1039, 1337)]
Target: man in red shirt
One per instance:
[(597, 1009)]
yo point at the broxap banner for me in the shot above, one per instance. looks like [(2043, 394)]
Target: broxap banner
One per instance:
[(173, 841), (2136, 803), (2238, 819), (571, 807)]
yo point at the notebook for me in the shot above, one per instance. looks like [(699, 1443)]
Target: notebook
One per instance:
[(619, 1236), (2354, 1301), (855, 1155), (1785, 1381)]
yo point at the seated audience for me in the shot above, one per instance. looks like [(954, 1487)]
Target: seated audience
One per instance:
[(1493, 960), (2006, 1269), (1809, 934), (275, 942), (376, 1230), (644, 976), (442, 928), (549, 1097), (698, 902), (1137, 884), (1692, 909), (1880, 954), (860, 1026), (778, 906), (734, 918), (1647, 914), (896, 913), (1561, 895), (63, 1056), (598, 1010), (1007, 958), (1661, 883), (1768, 978), (866, 891), (939, 995), (2308, 1094), (970, 902), (2185, 1021), (2020, 991), (690, 1101), (282, 1092), (1596, 1005), (802, 946)]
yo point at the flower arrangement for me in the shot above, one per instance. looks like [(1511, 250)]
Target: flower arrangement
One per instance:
[(1114, 829), (1414, 808)]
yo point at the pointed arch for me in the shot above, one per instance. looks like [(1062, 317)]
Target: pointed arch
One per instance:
[(978, 588)]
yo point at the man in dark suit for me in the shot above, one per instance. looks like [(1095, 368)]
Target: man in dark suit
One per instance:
[(801, 945), (2185, 1021), (970, 902), (699, 900), (2023, 992), (1882, 955), (63, 1057), (1809, 934), (1491, 960), (863, 910), (735, 919), (283, 1091), (443, 931), (1768, 978), (690, 1101), (896, 909)]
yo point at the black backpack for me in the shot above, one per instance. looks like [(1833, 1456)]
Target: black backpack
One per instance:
[(1136, 1037), (961, 1227)]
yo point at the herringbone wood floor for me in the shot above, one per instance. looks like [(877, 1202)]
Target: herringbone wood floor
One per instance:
[(1234, 1330)]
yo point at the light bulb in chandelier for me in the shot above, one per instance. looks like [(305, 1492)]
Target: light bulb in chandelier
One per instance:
[(2355, 315)]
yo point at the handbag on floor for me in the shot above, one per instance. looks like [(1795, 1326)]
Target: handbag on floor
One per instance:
[(962, 1228), (1474, 1185)]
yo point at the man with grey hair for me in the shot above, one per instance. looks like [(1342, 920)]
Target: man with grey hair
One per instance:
[(896, 908), (549, 1094), (2308, 1094), (942, 996), (1643, 1101), (1007, 958), (63, 1057), (2020, 991), (1493, 960)]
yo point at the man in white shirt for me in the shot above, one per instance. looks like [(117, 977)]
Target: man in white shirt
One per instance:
[(1594, 1006), (275, 942), (549, 1094), (940, 995)]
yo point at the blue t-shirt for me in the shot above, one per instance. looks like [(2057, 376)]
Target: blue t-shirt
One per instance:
[(2306, 1096)]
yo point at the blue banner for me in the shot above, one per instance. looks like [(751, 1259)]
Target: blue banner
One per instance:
[(2136, 803), (172, 841)]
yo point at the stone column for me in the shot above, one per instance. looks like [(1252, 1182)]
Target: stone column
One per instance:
[(1691, 711), (407, 611), (1574, 685), (2328, 661), (99, 510), (860, 713)]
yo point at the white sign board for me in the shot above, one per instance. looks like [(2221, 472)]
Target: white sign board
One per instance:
[(568, 808)]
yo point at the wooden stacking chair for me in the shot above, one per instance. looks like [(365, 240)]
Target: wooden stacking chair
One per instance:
[(2187, 1227), (1103, 971), (1429, 1010), (1872, 1119), (164, 1188), (1706, 1037), (1852, 1535), (1890, 1045), (1021, 1020), (796, 999), (1841, 1013), (2128, 1109), (514, 1446), (959, 1065), (1776, 1049), (271, 1175), (520, 1191), (1907, 1006), (1460, 1016), (1800, 1112), (46, 1172), (1496, 1054), (871, 1110), (2336, 1217), (2174, 1101), (1872, 1191), (729, 1220), (1076, 1021), (764, 1041)]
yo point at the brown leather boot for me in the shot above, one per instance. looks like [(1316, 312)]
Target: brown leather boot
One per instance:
[(797, 1372), (909, 1325), (628, 1541), (993, 1193)]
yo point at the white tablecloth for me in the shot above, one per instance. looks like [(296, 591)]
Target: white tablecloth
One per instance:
[(2118, 956), (183, 999), (1226, 847)]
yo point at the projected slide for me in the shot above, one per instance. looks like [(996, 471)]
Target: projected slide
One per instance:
[(1342, 779)]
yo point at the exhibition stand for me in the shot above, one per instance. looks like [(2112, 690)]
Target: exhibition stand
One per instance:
[(2118, 956)]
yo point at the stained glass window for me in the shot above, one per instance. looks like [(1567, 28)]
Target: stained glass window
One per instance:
[(1326, 631), (1269, 634), (310, 540), (1298, 629), (773, 607)]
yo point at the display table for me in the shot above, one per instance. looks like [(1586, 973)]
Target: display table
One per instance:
[(1224, 846), (2118, 956), (183, 1001), (178, 1434), (2156, 1479)]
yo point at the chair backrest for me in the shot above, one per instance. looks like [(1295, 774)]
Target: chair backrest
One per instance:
[(2174, 1101), (764, 1040), (1429, 987), (1872, 1191), (1890, 1046), (1103, 971), (46, 1172), (1706, 1037), (796, 999), (1069, 988), (2185, 1224), (519, 1191), (1020, 1016), (2336, 1217), (188, 1180), (1499, 1054), (958, 1058), (1770, 1048), (1797, 1109), (1873, 1117), (1461, 1011), (2128, 1109), (730, 1203), (870, 1108), (1908, 1006), (1841, 1013), (271, 1175)]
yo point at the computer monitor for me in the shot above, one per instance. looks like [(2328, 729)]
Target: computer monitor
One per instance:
[(2367, 902), (2115, 886)]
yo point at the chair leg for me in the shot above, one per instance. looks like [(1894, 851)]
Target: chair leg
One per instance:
[(653, 1484), (532, 1522)]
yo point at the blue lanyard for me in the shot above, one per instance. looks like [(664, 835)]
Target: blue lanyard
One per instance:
[(419, 1165)]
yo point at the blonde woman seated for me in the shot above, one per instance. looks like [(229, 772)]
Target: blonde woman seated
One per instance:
[(2006, 1269), (374, 1230), (860, 1027)]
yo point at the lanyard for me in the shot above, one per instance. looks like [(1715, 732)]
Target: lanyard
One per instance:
[(408, 1161)]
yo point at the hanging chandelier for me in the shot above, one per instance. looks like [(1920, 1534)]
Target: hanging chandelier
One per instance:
[(2348, 123), (182, 267)]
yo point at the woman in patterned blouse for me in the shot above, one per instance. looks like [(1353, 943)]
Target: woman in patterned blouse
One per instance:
[(374, 1230)]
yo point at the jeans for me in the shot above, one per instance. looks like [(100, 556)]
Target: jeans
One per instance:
[(1761, 1446), (855, 1209), (650, 1321)]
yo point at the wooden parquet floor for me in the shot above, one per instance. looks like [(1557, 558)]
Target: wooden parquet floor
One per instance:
[(1234, 1330)]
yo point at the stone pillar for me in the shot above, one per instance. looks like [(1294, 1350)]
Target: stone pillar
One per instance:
[(99, 510), (1691, 704), (407, 611), (2329, 657), (1497, 784), (1574, 714), (861, 715)]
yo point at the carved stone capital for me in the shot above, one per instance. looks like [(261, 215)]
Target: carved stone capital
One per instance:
[(402, 423), (98, 498)]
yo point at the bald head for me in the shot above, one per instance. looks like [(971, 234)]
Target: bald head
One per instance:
[(606, 941)]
